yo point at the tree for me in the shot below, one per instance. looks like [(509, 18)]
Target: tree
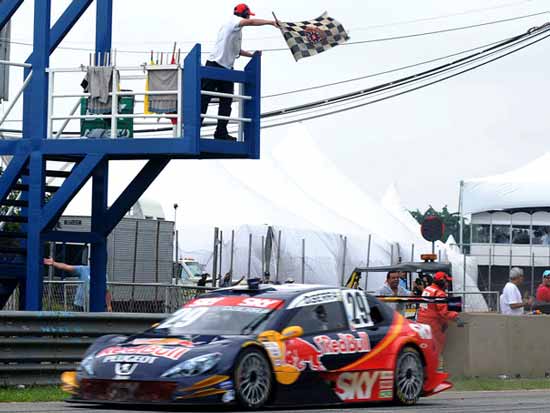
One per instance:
[(450, 219)]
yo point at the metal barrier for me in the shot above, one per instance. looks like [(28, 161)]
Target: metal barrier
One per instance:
[(125, 297), (35, 347)]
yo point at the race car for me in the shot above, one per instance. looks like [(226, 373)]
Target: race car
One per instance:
[(263, 345)]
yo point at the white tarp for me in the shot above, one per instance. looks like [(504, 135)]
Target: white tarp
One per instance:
[(528, 186)]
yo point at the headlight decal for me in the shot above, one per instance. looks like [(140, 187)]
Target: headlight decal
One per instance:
[(194, 367)]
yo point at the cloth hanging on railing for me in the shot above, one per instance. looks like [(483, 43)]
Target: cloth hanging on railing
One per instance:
[(99, 83), (160, 80)]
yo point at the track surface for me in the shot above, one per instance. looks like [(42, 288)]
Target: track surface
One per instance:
[(503, 401)]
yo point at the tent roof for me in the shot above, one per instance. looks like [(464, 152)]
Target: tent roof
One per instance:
[(525, 187)]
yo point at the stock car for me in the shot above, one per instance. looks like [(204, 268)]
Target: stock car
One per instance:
[(263, 345)]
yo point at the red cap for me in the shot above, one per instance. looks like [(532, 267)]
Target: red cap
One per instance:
[(242, 8), (440, 275)]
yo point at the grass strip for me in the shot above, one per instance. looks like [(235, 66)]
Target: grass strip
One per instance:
[(495, 384), (32, 394)]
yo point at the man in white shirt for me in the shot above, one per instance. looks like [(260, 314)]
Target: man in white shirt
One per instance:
[(511, 302), (393, 287), (226, 50)]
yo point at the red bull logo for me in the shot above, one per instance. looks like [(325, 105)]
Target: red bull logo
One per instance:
[(344, 344), (301, 354)]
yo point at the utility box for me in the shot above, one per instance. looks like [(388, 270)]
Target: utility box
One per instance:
[(101, 127)]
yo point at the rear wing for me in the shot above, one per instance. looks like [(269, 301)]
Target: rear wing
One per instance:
[(453, 303)]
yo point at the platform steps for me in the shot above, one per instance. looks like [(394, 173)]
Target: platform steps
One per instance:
[(13, 220)]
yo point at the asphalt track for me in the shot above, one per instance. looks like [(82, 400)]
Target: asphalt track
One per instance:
[(502, 401)]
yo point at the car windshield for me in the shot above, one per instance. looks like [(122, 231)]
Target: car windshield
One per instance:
[(195, 268), (215, 320)]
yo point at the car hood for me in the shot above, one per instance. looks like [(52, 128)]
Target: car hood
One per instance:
[(147, 358)]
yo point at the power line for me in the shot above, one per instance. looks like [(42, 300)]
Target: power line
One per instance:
[(452, 29), (407, 79), (385, 72), (404, 92), (381, 39)]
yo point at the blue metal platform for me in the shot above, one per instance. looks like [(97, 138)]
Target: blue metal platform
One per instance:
[(23, 183)]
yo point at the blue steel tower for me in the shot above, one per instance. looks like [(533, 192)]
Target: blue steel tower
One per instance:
[(41, 205)]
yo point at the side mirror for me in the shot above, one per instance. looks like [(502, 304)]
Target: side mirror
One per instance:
[(291, 332)]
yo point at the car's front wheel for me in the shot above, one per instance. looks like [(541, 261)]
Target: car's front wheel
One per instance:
[(253, 379), (409, 376)]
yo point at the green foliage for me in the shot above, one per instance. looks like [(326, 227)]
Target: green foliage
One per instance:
[(450, 219)]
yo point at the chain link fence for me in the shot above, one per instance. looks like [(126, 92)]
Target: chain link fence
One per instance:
[(124, 297)]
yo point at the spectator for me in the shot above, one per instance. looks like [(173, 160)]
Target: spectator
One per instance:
[(423, 281), (511, 302), (543, 292), (437, 316), (393, 287), (227, 280), (203, 280), (83, 274)]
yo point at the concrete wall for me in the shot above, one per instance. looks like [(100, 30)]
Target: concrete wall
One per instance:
[(494, 344)]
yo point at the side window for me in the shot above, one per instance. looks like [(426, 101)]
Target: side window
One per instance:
[(318, 318), (379, 313)]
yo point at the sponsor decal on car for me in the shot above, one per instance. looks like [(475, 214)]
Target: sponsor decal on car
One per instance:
[(145, 350), (302, 354), (265, 303), (163, 342), (129, 359), (316, 297), (344, 344), (423, 330), (365, 385)]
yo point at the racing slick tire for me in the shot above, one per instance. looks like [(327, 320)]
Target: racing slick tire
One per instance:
[(253, 379), (409, 377)]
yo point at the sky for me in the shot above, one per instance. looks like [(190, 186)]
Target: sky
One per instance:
[(485, 122)]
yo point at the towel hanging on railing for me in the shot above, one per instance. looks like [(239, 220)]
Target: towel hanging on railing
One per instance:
[(99, 83), (160, 80)]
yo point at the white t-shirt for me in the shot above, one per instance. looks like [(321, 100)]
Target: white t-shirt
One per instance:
[(510, 295), (228, 44)]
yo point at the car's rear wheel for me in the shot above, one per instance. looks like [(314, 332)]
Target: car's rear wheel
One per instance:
[(253, 379), (409, 376)]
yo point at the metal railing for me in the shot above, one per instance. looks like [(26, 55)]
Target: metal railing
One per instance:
[(115, 93)]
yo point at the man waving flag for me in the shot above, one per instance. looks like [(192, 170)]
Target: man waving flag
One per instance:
[(312, 37)]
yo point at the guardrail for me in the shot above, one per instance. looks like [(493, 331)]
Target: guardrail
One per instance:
[(36, 347)]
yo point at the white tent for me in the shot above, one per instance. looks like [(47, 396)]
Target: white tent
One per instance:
[(528, 186)]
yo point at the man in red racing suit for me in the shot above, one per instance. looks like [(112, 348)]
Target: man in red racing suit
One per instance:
[(437, 316)]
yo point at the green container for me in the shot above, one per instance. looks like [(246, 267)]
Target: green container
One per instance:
[(100, 126)]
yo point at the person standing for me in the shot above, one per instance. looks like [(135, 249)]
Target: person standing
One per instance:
[(83, 274), (393, 287), (511, 302), (226, 50), (543, 291), (437, 316)]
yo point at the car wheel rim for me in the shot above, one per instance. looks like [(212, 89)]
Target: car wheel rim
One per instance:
[(410, 376), (254, 379)]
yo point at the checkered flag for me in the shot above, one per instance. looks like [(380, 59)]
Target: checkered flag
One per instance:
[(312, 37)]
